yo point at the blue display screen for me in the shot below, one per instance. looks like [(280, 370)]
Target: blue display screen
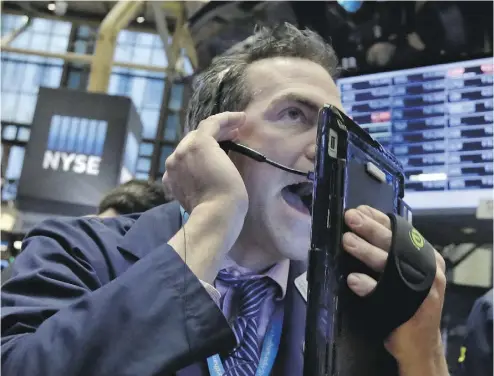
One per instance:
[(437, 120)]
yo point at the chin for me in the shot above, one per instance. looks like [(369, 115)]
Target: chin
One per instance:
[(295, 249)]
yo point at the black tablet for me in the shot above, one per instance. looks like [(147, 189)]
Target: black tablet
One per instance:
[(351, 169)]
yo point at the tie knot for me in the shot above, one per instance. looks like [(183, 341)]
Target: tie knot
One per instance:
[(251, 291)]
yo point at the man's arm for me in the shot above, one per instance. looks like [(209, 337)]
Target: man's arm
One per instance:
[(58, 318)]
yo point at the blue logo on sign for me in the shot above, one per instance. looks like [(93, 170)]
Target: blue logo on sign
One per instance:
[(77, 135), (75, 144)]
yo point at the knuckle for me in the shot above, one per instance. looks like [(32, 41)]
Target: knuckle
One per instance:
[(440, 261), (179, 153), (185, 147), (387, 239), (440, 280), (194, 145), (204, 123), (170, 163), (366, 209), (374, 232)]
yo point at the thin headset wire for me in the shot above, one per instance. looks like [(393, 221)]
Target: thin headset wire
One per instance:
[(184, 294)]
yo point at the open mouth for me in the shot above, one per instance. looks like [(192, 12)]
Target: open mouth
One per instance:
[(299, 196)]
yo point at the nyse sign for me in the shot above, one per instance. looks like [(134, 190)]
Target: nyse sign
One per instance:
[(75, 144), (78, 163)]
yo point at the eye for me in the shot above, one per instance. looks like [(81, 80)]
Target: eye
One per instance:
[(294, 114)]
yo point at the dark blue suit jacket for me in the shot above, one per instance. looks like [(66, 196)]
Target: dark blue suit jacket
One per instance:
[(94, 296)]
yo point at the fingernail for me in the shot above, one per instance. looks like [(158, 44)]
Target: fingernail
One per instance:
[(353, 280), (355, 219)]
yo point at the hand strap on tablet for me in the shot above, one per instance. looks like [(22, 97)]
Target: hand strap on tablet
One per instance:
[(406, 281)]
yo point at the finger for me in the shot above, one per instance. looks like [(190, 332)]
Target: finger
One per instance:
[(230, 135), (214, 125), (376, 215), (372, 256), (361, 284), (369, 229)]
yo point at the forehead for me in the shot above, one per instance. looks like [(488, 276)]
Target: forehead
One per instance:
[(277, 77)]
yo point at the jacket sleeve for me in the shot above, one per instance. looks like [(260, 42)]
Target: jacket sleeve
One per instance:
[(477, 358), (59, 318)]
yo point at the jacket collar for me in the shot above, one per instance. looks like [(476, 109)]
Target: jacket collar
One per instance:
[(152, 229)]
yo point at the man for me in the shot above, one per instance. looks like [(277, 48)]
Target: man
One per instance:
[(142, 295), (476, 354), (134, 196)]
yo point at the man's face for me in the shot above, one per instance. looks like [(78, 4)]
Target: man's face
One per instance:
[(281, 123)]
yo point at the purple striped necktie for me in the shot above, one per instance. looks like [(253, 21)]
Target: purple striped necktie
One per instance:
[(251, 294)]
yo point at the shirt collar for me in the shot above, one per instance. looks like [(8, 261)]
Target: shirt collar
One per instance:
[(278, 272)]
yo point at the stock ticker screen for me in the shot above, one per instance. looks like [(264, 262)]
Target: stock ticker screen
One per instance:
[(437, 120)]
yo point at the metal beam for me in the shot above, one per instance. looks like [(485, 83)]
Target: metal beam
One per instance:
[(161, 26), (6, 40), (189, 46), (182, 36), (177, 38), (101, 65), (172, 7), (81, 58), (160, 132), (80, 19)]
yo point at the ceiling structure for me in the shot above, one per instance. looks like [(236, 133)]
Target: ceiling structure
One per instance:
[(367, 35), (166, 18), (93, 12)]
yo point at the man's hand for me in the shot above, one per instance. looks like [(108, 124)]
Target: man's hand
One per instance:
[(199, 171), (209, 187), (416, 345)]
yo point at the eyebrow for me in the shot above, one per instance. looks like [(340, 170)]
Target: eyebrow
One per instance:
[(292, 97)]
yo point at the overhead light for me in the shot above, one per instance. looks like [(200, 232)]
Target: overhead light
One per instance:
[(468, 230), (140, 19), (17, 244), (61, 8), (51, 6)]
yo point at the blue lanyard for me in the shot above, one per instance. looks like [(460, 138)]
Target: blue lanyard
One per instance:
[(269, 348)]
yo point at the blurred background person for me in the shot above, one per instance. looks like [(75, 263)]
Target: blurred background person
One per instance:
[(135, 196), (476, 352)]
